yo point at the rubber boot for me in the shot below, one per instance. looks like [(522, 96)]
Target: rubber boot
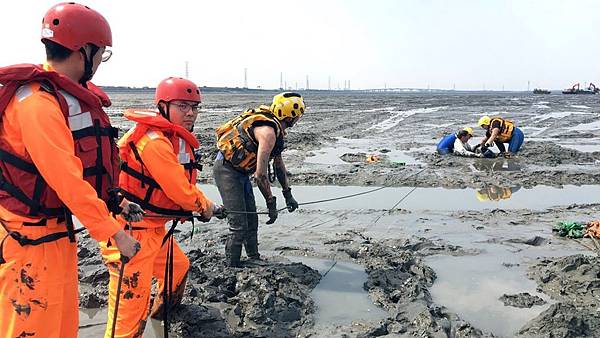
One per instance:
[(233, 250), (251, 245)]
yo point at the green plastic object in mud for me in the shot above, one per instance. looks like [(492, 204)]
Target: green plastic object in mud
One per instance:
[(570, 229)]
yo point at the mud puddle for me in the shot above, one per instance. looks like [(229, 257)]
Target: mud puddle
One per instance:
[(585, 148), (92, 323), (489, 197), (344, 155), (340, 297), (471, 286)]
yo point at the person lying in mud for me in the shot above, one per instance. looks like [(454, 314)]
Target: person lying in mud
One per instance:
[(500, 131), (458, 144), (159, 173), (246, 145)]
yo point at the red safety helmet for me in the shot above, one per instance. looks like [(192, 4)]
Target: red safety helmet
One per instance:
[(176, 88), (73, 26)]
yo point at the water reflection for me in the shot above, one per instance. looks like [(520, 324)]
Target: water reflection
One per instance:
[(497, 164), (496, 193)]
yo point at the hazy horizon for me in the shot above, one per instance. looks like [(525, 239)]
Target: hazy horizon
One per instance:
[(462, 44)]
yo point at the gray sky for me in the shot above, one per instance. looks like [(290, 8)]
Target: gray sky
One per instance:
[(402, 43)]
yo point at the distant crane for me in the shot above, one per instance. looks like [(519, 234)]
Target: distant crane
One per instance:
[(591, 89)]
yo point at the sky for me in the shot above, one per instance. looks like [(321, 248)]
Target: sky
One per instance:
[(462, 44)]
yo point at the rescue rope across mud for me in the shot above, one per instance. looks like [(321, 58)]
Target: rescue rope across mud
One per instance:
[(364, 192), (187, 216)]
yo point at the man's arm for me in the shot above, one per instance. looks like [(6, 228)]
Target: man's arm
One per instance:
[(162, 164), (49, 143), (461, 150), (281, 172), (265, 136)]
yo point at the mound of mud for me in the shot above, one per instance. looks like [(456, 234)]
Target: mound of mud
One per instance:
[(398, 281), (573, 279), (563, 320), (354, 157), (575, 282), (270, 301), (551, 154), (93, 275), (521, 300), (267, 301)]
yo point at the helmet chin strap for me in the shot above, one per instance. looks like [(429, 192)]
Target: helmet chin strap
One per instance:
[(166, 114), (88, 64)]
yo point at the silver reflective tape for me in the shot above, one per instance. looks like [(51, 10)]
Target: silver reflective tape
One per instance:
[(183, 155), (23, 92), (152, 134), (74, 107), (81, 121)]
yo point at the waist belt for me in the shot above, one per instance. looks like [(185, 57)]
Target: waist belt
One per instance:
[(43, 222)]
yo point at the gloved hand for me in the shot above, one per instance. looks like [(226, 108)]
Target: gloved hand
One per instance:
[(219, 211), (272, 206), (131, 211), (489, 143), (289, 200), (476, 147)]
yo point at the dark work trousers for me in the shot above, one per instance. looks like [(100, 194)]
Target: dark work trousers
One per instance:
[(236, 193)]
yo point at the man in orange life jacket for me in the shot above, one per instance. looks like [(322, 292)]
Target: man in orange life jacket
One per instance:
[(58, 159), (246, 145), (159, 174)]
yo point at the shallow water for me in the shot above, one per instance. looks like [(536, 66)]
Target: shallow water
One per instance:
[(340, 297), (472, 285), (92, 323), (432, 198)]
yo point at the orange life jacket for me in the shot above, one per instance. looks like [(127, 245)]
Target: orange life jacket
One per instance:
[(23, 190), (235, 139), (506, 129), (135, 184)]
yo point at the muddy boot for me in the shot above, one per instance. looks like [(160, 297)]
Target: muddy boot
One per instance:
[(233, 250), (251, 245)]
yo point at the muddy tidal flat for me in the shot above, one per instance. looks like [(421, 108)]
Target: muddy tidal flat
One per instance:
[(449, 247)]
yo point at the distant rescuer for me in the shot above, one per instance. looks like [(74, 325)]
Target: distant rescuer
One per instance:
[(58, 158), (159, 173), (500, 131), (246, 145)]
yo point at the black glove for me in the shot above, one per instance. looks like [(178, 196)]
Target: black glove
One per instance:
[(272, 206), (220, 212), (289, 200), (132, 212)]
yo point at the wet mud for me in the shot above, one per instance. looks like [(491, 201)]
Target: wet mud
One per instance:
[(522, 300), (546, 287)]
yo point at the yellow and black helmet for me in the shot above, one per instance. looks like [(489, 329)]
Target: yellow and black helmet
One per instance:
[(288, 105)]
